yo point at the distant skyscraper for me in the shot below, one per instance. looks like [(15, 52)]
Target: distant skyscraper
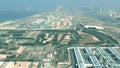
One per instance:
[(101, 8), (112, 13)]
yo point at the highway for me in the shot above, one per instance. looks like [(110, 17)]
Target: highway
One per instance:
[(76, 58), (93, 58), (114, 52), (79, 57), (73, 59), (106, 57)]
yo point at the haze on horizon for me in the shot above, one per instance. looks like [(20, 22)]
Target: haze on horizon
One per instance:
[(51, 4)]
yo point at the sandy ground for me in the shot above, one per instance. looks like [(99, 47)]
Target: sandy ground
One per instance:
[(1, 49), (2, 56), (113, 28), (88, 39), (22, 65), (96, 39), (34, 64), (21, 48)]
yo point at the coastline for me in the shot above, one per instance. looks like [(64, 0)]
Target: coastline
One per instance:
[(6, 22)]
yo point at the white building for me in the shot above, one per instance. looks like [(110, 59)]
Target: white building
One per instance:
[(97, 27)]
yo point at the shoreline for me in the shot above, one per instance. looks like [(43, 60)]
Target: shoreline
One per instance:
[(6, 22)]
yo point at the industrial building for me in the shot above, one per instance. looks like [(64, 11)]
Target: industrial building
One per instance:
[(94, 57)]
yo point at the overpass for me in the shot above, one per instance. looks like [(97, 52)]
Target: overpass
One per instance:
[(76, 57), (106, 58), (94, 57), (80, 61), (114, 52)]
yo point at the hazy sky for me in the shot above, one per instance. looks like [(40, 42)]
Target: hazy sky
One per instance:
[(50, 4)]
